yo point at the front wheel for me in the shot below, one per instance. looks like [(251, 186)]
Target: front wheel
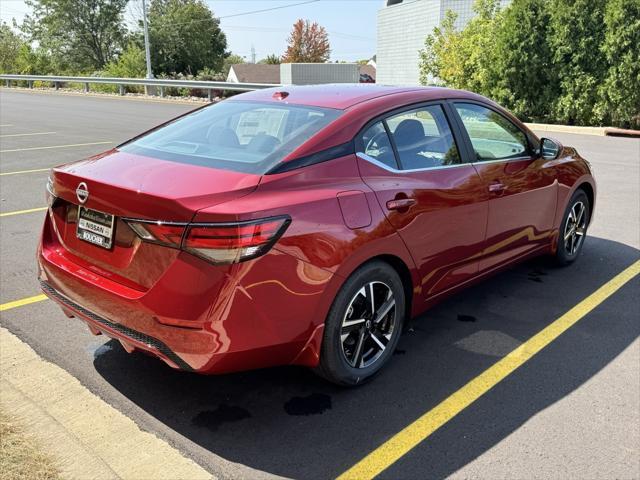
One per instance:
[(573, 229), (363, 325)]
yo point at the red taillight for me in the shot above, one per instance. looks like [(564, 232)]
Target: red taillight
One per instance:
[(232, 243), (169, 234), (220, 243)]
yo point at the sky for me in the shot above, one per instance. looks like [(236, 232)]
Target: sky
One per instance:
[(351, 24)]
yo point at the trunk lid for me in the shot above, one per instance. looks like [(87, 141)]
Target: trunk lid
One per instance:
[(128, 185)]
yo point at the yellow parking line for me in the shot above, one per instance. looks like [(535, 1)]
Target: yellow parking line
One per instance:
[(6, 125), (400, 444), (20, 212), (22, 302), (26, 134), (53, 146), (25, 171)]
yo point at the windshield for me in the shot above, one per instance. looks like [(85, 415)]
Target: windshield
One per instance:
[(242, 136)]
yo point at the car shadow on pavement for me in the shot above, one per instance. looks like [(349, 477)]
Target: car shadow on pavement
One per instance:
[(288, 422)]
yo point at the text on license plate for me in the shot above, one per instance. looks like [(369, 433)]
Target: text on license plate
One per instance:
[(95, 227)]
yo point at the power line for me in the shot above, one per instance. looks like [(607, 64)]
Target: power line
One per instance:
[(239, 14), (276, 29), (269, 9)]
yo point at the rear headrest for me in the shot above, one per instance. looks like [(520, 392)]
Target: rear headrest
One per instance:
[(408, 132)]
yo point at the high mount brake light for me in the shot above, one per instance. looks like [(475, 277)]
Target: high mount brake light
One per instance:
[(219, 243)]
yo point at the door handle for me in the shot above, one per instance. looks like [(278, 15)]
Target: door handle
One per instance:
[(496, 187), (400, 204)]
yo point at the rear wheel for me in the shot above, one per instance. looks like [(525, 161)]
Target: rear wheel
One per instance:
[(363, 325), (573, 229)]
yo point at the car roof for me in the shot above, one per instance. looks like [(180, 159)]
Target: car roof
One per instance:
[(343, 95)]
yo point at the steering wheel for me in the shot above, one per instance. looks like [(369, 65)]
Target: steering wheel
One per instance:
[(373, 141)]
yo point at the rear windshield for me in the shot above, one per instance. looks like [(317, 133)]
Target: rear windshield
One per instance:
[(242, 136)]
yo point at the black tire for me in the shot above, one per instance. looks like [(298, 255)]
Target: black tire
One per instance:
[(339, 356), (567, 252)]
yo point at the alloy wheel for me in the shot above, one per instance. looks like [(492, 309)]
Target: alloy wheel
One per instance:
[(575, 228), (368, 324)]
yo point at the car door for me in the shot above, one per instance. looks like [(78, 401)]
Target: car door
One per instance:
[(522, 185), (437, 202)]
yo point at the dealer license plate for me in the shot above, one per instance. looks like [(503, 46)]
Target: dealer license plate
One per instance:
[(95, 227)]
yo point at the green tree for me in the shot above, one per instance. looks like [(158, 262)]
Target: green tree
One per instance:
[(10, 44), (185, 37), (441, 60), (576, 37), (231, 59), (569, 61), (272, 59), (307, 43), (18, 57), (81, 35), (620, 91), (462, 58), (130, 64), (36, 61), (522, 75)]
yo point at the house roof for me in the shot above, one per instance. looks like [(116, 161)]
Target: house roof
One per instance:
[(257, 73), (368, 70)]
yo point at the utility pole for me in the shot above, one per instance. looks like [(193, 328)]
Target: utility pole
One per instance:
[(146, 41)]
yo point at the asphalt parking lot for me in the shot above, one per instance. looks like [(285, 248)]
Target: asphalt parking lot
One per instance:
[(571, 411)]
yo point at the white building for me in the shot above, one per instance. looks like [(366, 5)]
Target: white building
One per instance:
[(302, 73), (316, 73), (403, 26)]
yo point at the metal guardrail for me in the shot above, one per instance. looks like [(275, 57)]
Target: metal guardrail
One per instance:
[(160, 83)]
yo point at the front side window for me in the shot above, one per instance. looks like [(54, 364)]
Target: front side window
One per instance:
[(492, 136), (241, 136), (423, 138)]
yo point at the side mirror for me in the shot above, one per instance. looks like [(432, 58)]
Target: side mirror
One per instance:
[(550, 148)]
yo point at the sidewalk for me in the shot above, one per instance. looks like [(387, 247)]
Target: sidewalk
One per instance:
[(547, 127), (599, 131), (87, 437)]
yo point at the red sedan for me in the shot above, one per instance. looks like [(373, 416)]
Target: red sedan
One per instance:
[(304, 225)]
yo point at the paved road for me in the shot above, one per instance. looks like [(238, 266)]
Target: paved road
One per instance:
[(573, 411)]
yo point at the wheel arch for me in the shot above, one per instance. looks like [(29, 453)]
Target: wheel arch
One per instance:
[(310, 354), (403, 272), (390, 249), (588, 189)]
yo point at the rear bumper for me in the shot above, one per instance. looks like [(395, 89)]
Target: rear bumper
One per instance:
[(130, 338), (198, 317)]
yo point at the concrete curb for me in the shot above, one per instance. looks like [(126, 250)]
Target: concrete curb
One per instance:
[(87, 437), (621, 132), (545, 127)]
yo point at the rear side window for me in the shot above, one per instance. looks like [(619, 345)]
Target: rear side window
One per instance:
[(242, 136), (492, 136)]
